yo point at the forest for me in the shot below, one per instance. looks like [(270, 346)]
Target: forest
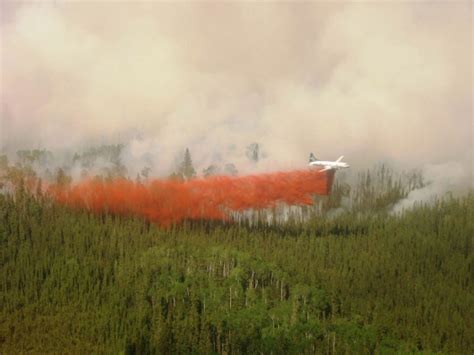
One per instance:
[(362, 280)]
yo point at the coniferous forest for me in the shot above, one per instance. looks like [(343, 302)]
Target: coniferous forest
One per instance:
[(358, 281)]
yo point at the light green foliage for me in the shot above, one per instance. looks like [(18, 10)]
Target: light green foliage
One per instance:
[(375, 283)]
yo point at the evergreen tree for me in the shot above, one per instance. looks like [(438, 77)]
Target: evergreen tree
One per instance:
[(187, 169)]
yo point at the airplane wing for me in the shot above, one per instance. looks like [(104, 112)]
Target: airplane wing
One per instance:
[(340, 158), (325, 168)]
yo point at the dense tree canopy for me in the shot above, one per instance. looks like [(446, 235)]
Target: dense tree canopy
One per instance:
[(355, 283)]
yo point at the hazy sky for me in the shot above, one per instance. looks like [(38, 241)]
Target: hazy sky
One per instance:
[(374, 81)]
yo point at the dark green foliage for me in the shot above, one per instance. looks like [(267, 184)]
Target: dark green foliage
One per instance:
[(79, 283)]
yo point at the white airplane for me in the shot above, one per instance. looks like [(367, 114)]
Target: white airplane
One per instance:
[(327, 165)]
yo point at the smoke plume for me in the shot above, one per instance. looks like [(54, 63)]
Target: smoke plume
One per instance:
[(441, 179), (373, 81)]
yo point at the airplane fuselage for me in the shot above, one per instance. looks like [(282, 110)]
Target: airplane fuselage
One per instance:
[(329, 164), (326, 164)]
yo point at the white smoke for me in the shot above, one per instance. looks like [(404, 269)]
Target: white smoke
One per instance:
[(441, 179)]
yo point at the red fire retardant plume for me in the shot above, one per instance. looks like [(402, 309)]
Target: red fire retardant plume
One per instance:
[(166, 202)]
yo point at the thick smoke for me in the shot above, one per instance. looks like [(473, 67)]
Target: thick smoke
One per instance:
[(166, 202), (377, 82)]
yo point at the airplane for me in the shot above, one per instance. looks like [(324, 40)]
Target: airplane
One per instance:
[(327, 165)]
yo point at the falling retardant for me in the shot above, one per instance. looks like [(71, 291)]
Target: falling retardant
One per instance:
[(167, 202)]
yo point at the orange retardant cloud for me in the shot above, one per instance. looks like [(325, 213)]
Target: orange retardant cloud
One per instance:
[(167, 202)]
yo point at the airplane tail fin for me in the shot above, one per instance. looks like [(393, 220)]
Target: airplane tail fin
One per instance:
[(340, 158), (312, 157)]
